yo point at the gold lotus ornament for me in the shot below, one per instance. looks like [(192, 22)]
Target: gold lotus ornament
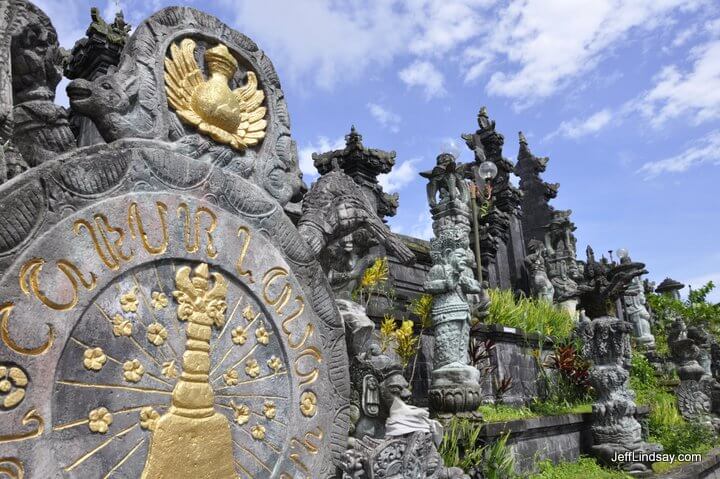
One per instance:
[(231, 117)]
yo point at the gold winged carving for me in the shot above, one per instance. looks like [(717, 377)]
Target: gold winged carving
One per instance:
[(231, 117)]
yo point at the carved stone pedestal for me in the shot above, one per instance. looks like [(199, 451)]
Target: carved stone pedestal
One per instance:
[(455, 389)]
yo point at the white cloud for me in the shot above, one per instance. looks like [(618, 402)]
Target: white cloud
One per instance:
[(546, 53), (322, 145), (423, 227), (707, 150), (385, 117), (325, 41), (695, 93), (577, 128), (399, 176), (423, 74)]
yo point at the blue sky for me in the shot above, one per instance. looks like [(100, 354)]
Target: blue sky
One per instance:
[(623, 96)]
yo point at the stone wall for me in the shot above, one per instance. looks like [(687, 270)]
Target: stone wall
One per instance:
[(708, 468), (557, 438)]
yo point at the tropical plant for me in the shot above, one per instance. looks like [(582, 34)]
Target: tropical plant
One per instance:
[(374, 279), (461, 448), (585, 467), (696, 310), (529, 314), (406, 342)]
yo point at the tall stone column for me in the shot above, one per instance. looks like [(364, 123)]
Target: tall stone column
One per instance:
[(455, 385)]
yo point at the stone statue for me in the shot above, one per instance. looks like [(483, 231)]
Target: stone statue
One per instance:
[(636, 312), (381, 382), (448, 194), (336, 206), (455, 384), (178, 299), (408, 451), (540, 285), (39, 129), (560, 259), (606, 343), (698, 394)]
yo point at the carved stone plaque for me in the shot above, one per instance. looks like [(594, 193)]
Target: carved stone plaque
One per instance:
[(127, 300)]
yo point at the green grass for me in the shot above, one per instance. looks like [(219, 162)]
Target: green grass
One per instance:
[(585, 468), (504, 413), (529, 314)]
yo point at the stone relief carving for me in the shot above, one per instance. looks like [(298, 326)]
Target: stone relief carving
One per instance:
[(130, 101)]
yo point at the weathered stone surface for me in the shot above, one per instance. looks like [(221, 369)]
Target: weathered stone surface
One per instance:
[(93, 248), (91, 294), (606, 343)]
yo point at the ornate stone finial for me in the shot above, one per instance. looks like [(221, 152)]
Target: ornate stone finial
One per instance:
[(448, 194), (231, 117), (363, 165), (192, 439), (522, 139)]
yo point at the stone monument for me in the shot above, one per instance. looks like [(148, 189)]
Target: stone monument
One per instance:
[(606, 343), (160, 315), (455, 385)]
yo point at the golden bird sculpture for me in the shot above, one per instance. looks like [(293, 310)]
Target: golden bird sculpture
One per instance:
[(231, 117)]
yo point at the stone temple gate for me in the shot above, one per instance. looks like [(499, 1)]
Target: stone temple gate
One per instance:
[(160, 316)]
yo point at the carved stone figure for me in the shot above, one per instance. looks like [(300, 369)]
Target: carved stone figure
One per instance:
[(606, 342), (448, 194), (560, 258), (32, 59), (455, 384), (381, 382), (636, 312), (91, 57), (336, 206), (408, 451), (541, 286), (699, 392)]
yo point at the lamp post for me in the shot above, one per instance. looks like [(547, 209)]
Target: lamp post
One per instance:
[(483, 173)]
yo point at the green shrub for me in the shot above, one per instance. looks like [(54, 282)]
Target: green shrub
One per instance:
[(666, 425), (585, 468), (529, 314), (461, 448)]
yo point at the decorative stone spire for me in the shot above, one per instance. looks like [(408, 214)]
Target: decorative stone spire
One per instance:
[(537, 213), (496, 225), (363, 165), (93, 55)]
